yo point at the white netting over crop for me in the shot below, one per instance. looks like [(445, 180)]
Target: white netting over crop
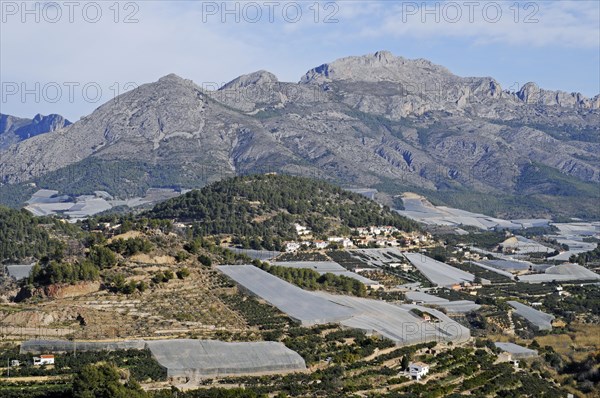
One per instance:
[(400, 324), (209, 358)]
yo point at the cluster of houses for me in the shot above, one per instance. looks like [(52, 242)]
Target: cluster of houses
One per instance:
[(293, 246), (373, 236), (469, 287), (306, 243), (380, 236)]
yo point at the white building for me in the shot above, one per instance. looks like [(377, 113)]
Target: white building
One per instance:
[(320, 244), (292, 246), (417, 370), (375, 230), (345, 242), (302, 230), (406, 267), (43, 360), (362, 231)]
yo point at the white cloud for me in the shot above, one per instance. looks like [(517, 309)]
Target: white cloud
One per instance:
[(559, 23)]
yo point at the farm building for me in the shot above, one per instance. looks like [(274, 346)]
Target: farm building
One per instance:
[(418, 370), (43, 360)]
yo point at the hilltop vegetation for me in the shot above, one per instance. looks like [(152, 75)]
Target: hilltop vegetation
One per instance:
[(267, 206), (586, 257), (24, 236)]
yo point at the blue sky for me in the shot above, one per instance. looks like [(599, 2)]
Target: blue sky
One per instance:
[(64, 60)]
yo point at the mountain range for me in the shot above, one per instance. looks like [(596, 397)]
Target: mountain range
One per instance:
[(376, 121)]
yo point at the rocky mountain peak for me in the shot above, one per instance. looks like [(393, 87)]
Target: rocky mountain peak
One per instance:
[(377, 67), (51, 122), (172, 77), (362, 120), (384, 57), (14, 129), (529, 92), (259, 77)]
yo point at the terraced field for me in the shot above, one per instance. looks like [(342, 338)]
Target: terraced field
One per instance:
[(178, 308)]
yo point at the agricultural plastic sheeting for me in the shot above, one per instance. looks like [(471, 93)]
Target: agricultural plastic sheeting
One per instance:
[(539, 319), (437, 272), (398, 323), (304, 307), (209, 358), (516, 350)]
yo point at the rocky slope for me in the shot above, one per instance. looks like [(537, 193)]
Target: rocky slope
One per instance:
[(372, 121), (14, 129)]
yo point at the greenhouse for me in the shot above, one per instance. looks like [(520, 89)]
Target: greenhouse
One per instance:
[(457, 306), (300, 305), (403, 324), (197, 359), (538, 319), (516, 350), (437, 272), (561, 273)]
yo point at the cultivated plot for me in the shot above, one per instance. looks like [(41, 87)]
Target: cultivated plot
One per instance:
[(300, 305), (561, 273), (403, 324), (538, 319), (197, 359), (437, 272), (324, 267), (457, 306)]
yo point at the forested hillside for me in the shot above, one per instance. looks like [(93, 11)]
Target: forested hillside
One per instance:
[(269, 205), (23, 236)]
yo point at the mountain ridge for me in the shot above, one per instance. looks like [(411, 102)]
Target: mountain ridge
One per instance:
[(404, 123), (15, 129)]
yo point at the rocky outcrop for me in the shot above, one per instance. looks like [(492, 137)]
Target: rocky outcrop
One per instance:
[(257, 78), (377, 67), (14, 129), (530, 93)]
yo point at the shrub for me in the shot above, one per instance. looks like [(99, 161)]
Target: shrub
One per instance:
[(183, 273), (205, 260), (102, 257)]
